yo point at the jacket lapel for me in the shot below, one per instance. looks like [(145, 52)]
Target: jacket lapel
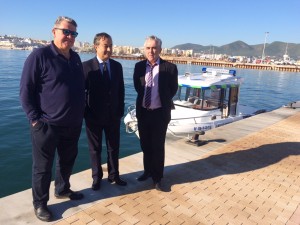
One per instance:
[(95, 64)]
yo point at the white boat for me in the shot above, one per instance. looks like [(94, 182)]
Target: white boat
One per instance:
[(203, 101)]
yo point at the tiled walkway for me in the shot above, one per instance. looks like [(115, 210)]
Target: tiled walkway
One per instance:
[(253, 180)]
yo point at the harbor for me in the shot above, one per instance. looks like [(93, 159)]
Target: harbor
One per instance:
[(219, 169), (222, 64), (246, 172)]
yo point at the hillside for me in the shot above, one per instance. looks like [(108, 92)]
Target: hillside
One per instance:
[(276, 49)]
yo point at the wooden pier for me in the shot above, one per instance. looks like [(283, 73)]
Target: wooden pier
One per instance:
[(215, 63)]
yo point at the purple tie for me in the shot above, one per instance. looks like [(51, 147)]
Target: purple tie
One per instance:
[(149, 87)]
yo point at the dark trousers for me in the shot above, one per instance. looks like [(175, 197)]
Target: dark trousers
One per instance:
[(46, 139), (112, 139), (152, 132)]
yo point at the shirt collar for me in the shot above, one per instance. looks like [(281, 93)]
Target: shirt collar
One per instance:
[(54, 50), (101, 61), (157, 62)]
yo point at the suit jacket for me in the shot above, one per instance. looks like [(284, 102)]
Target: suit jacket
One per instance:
[(103, 103), (167, 86)]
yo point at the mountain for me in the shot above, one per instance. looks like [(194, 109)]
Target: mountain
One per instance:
[(241, 48)]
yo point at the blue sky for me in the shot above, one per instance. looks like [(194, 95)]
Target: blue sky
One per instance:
[(174, 21)]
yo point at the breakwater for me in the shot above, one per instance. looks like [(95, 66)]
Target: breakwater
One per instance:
[(216, 63)]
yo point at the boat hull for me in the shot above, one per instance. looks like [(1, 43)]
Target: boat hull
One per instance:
[(189, 121)]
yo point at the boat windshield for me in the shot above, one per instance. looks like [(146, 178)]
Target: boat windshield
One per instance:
[(203, 99)]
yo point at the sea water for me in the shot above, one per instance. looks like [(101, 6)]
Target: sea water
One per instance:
[(261, 89)]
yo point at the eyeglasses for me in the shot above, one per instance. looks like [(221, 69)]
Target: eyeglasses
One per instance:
[(68, 32)]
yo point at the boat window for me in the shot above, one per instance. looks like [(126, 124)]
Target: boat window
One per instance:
[(187, 93), (233, 100), (187, 96), (183, 93), (197, 98), (212, 98), (178, 94), (224, 99)]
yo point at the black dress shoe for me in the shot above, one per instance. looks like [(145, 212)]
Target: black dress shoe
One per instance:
[(43, 213), (72, 195), (157, 186), (144, 176), (96, 185), (117, 181)]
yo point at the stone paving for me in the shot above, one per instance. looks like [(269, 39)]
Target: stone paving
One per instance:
[(253, 180)]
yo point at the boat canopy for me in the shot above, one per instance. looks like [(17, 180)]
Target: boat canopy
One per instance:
[(221, 71), (223, 86), (210, 79)]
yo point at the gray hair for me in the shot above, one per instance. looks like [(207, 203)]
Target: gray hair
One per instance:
[(156, 39), (64, 18), (100, 36)]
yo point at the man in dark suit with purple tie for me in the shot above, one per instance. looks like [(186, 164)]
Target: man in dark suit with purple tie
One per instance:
[(104, 109), (156, 83)]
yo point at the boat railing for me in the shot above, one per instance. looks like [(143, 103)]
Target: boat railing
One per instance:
[(131, 126), (197, 103), (131, 111), (194, 118)]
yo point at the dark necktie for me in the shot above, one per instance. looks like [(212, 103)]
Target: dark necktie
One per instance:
[(149, 87), (106, 75)]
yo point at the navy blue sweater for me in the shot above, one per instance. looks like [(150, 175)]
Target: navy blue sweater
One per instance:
[(52, 87)]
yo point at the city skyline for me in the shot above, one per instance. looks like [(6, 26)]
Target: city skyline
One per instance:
[(175, 22)]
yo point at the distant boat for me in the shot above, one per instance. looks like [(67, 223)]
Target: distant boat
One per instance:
[(137, 55), (33, 47), (286, 58), (204, 101)]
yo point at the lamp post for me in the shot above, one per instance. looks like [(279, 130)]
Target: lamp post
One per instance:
[(263, 53)]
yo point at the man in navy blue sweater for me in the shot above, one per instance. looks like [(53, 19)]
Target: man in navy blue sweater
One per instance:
[(53, 97)]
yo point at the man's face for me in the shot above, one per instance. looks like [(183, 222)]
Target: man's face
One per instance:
[(61, 40), (104, 48), (152, 51)]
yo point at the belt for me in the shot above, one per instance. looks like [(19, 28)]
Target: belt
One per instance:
[(151, 110)]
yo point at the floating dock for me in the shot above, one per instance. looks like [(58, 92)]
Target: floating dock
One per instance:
[(247, 172)]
